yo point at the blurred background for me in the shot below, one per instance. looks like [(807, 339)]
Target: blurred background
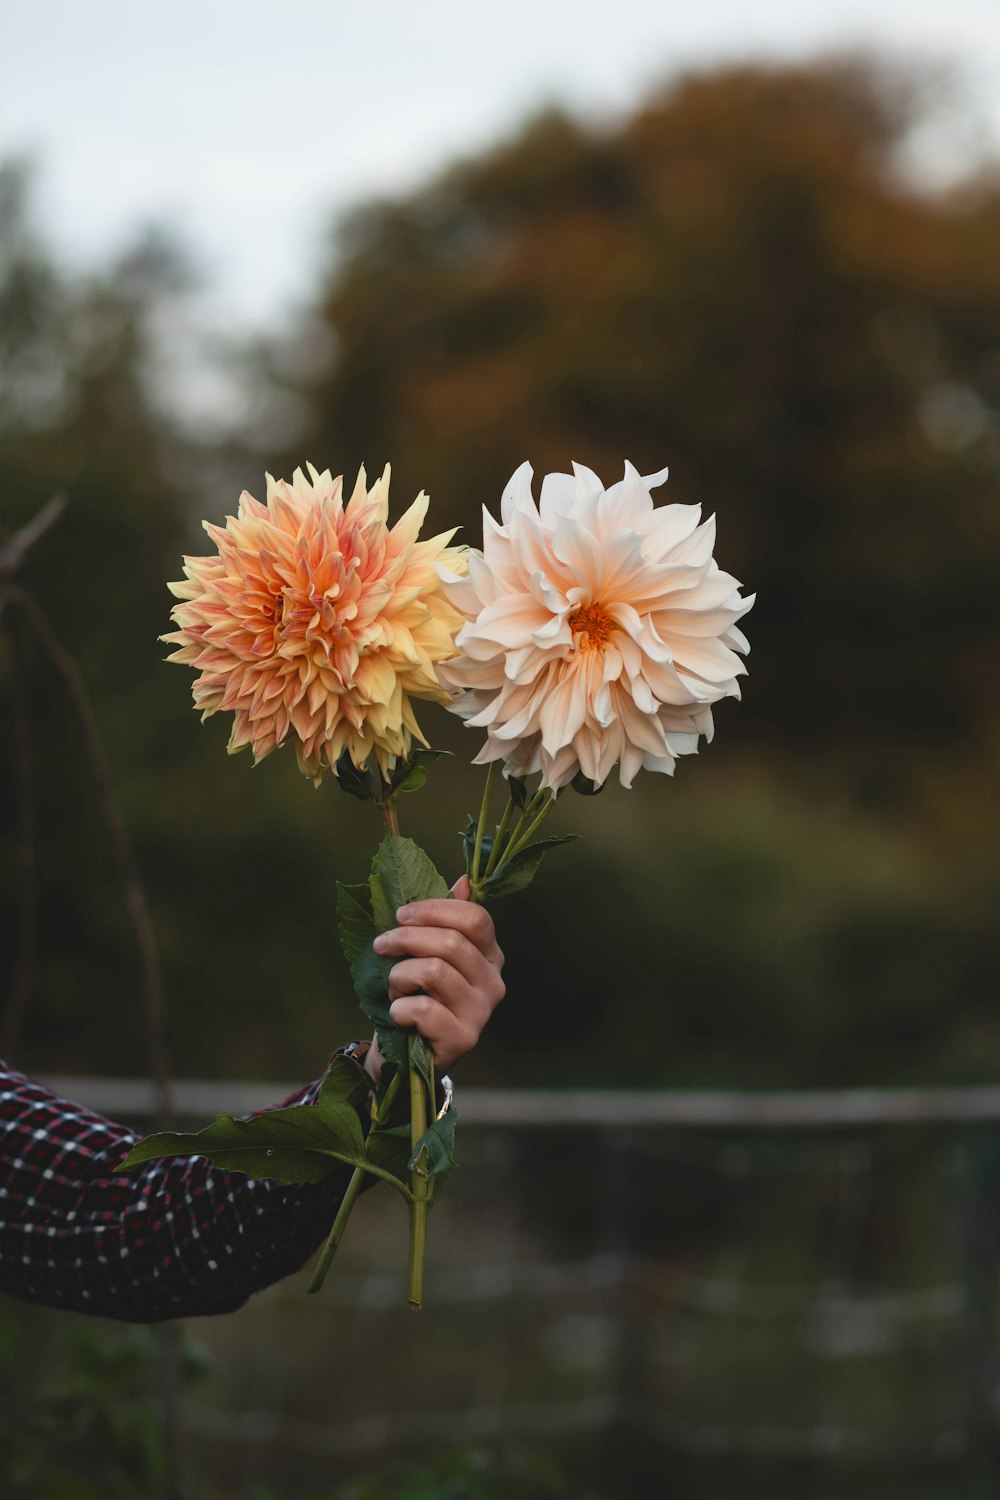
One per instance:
[(764, 251)]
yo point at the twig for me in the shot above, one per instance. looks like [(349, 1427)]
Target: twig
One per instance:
[(12, 552), (24, 966)]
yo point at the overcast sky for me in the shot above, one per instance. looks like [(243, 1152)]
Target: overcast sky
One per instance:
[(245, 124)]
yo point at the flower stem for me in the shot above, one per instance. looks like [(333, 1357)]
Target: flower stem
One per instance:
[(337, 1232), (419, 1186), (493, 860), (391, 820), (519, 826), (379, 1112), (521, 840), (483, 815)]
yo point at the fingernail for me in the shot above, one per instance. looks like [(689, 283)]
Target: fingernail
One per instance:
[(402, 913), (379, 943)]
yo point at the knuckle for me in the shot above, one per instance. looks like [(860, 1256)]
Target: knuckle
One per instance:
[(466, 1036), (436, 972), (452, 943)]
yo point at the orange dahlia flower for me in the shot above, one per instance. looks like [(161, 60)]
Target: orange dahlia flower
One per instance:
[(317, 623)]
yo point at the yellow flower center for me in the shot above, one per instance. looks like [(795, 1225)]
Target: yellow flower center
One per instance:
[(592, 626)]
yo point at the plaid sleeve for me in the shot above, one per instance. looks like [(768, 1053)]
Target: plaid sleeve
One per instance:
[(173, 1239)]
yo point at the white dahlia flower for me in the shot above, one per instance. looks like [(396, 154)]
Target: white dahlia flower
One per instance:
[(599, 630)]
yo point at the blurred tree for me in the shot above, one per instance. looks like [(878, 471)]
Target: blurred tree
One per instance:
[(740, 280), (737, 281), (80, 359)]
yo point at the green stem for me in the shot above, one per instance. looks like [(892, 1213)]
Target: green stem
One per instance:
[(419, 1186), (379, 1112), (518, 843), (337, 1232), (526, 813), (484, 812), (391, 820), (493, 860)]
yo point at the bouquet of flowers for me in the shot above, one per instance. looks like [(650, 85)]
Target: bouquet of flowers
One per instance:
[(593, 630)]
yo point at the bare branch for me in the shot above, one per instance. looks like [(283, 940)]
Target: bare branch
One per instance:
[(13, 552), (23, 979)]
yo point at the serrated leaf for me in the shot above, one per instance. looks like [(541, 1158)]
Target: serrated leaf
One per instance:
[(401, 873), (298, 1144), (518, 792), (347, 1081), (369, 972), (434, 1153), (519, 871), (422, 1059), (412, 774)]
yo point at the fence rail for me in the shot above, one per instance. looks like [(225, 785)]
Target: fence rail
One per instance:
[(689, 1108)]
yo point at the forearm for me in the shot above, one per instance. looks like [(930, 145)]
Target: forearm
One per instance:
[(175, 1238)]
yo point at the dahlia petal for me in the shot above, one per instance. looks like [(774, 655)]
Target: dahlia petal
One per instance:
[(664, 764), (669, 527), (517, 494), (653, 481), (510, 621), (563, 710), (627, 503), (708, 658), (587, 482), (579, 550), (557, 499), (682, 744)]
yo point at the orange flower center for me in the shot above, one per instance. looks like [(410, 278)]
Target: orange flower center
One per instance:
[(592, 625)]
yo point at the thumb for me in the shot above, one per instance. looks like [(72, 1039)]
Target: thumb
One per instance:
[(462, 890)]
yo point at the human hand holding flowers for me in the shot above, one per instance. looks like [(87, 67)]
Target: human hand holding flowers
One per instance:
[(446, 983)]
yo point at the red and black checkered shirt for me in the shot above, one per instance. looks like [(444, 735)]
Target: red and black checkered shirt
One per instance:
[(172, 1239)]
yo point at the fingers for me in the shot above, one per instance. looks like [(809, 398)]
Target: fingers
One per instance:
[(447, 981), (472, 921), (445, 943), (447, 1034)]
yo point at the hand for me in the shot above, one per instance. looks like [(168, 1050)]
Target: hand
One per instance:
[(447, 981)]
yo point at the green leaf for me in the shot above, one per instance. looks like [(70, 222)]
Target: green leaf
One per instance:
[(298, 1144), (423, 1059), (518, 792), (519, 871), (356, 783), (369, 972), (348, 1082), (401, 873), (412, 774), (434, 1156), (434, 1153), (469, 845), (390, 1150)]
